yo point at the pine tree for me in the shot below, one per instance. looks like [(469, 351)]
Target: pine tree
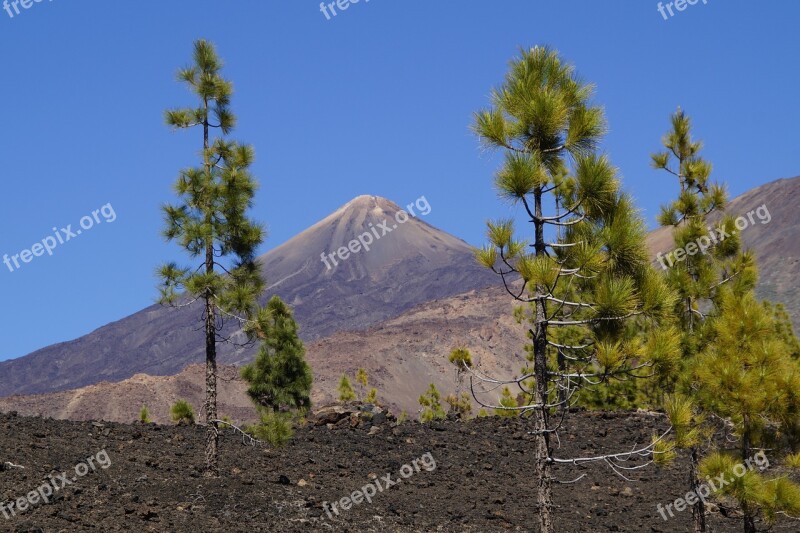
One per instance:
[(431, 405), (372, 396), (459, 404), (585, 276), (362, 380), (211, 224), (345, 390), (273, 426), (182, 412), (279, 378), (508, 404), (784, 328), (699, 269), (748, 377), (703, 260), (462, 359)]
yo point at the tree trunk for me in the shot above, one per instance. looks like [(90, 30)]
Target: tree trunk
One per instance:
[(699, 508), (212, 435), (544, 496), (562, 392), (749, 523), (749, 515), (544, 489)]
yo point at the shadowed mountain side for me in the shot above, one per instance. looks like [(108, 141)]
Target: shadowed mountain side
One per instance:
[(411, 264), (776, 244), (401, 356)]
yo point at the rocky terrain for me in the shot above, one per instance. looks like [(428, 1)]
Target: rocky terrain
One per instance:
[(477, 477)]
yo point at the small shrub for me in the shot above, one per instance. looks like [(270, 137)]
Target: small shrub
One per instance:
[(301, 420), (144, 415), (508, 400), (275, 428), (372, 397), (461, 405), (793, 460), (362, 380), (402, 418), (182, 412), (431, 405), (345, 390)]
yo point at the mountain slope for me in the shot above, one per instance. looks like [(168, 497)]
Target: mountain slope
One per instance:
[(384, 292), (411, 264), (776, 243), (401, 356)]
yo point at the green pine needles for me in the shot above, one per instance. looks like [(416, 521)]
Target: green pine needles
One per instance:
[(581, 271), (210, 222), (182, 412), (431, 405), (738, 360), (345, 390), (279, 378)]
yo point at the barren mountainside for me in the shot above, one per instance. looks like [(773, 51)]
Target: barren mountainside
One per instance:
[(775, 240), (396, 310), (401, 356), (411, 264)]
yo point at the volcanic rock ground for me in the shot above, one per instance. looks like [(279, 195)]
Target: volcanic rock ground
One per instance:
[(482, 481)]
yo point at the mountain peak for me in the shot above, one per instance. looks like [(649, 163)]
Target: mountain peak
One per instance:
[(369, 261), (366, 199), (365, 203)]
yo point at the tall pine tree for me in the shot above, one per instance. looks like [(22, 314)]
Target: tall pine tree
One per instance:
[(697, 269), (748, 378), (210, 223), (584, 278), (736, 362)]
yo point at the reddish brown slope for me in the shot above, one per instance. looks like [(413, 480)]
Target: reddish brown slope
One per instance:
[(401, 357)]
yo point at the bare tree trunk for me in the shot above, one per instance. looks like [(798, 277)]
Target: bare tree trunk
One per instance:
[(544, 489), (212, 435), (544, 496), (749, 515), (562, 392), (749, 522), (699, 508)]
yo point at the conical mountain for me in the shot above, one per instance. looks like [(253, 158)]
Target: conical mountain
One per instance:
[(407, 263)]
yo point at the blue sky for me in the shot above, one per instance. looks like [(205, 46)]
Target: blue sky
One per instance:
[(377, 100)]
